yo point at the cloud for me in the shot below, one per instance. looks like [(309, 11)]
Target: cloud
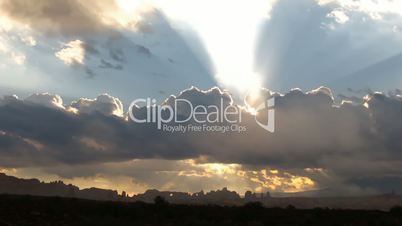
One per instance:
[(29, 40), (90, 48), (339, 16), (46, 99), (143, 50), (76, 53), (57, 17), (105, 64), (104, 104), (125, 54), (74, 18), (136, 176), (72, 53), (375, 9), (6, 48), (117, 55), (18, 58), (347, 140)]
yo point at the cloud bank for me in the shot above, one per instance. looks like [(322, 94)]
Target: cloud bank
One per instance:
[(349, 140)]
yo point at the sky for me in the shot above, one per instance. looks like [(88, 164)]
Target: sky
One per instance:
[(70, 69)]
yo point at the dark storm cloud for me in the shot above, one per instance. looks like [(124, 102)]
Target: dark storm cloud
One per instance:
[(312, 131), (95, 133), (309, 127)]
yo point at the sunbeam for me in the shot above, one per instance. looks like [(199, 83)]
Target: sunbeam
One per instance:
[(229, 33)]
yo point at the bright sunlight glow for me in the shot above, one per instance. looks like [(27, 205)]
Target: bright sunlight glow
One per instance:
[(228, 30)]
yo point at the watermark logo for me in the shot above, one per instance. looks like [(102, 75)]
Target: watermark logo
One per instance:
[(183, 116), (269, 105)]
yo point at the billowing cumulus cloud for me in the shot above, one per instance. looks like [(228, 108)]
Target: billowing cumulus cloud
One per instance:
[(104, 104), (45, 99), (314, 137)]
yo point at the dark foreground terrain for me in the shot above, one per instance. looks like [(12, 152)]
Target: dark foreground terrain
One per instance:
[(33, 210)]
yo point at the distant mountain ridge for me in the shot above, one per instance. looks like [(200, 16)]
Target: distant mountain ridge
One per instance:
[(14, 185)]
